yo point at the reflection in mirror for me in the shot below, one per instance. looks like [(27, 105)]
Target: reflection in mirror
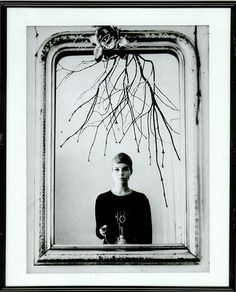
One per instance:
[(84, 151), (96, 97)]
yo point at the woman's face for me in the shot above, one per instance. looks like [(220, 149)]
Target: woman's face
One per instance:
[(121, 172)]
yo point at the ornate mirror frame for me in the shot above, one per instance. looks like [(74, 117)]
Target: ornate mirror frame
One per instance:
[(49, 253)]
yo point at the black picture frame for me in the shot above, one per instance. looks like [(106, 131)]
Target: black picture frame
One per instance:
[(4, 5)]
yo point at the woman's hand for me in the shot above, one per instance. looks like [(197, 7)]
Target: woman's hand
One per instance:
[(103, 230)]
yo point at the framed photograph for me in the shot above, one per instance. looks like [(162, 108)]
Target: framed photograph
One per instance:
[(117, 122)]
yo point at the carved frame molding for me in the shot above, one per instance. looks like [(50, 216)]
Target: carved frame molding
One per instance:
[(46, 252)]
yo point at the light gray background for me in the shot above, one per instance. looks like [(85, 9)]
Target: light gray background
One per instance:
[(78, 182)]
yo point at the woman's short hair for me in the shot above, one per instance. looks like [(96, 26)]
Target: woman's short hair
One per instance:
[(123, 158)]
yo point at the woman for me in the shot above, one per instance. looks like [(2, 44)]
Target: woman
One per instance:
[(123, 215)]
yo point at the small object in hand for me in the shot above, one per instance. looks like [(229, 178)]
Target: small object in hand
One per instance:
[(104, 228)]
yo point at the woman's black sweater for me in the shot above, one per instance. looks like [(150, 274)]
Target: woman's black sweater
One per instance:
[(130, 212)]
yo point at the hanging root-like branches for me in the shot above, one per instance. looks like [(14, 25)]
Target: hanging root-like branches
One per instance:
[(125, 99)]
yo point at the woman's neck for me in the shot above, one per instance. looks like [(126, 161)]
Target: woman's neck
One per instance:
[(121, 190)]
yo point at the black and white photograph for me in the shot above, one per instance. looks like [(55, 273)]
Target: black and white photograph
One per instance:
[(117, 141), (118, 146)]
